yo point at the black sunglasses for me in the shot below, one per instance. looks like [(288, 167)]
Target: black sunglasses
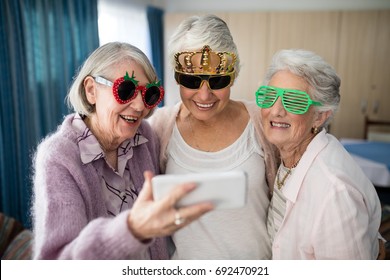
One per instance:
[(215, 82)]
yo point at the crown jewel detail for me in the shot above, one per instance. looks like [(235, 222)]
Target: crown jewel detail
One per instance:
[(205, 62)]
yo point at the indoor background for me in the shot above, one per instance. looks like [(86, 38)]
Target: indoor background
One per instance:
[(42, 44)]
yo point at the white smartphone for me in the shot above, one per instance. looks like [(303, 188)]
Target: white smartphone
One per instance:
[(226, 190)]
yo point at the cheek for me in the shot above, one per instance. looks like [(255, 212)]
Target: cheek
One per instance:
[(186, 94), (224, 94), (301, 126), (105, 99), (147, 113), (183, 94), (264, 113), (107, 109)]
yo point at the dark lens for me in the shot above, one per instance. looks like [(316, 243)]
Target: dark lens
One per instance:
[(152, 95), (126, 90), (188, 81), (219, 82)]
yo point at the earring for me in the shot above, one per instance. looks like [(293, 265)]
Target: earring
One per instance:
[(315, 130)]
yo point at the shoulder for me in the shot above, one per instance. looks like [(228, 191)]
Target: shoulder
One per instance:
[(56, 158), (254, 113), (146, 130), (252, 109), (153, 144), (251, 106), (329, 150), (163, 120), (334, 164), (61, 143), (164, 114)]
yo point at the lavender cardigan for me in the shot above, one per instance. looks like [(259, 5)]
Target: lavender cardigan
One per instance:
[(70, 218)]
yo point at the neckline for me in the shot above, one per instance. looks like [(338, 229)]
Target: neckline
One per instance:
[(287, 170), (238, 141)]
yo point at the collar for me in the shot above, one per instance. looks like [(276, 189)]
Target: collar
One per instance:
[(90, 149), (292, 187)]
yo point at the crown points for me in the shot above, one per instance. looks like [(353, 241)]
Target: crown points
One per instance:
[(205, 62)]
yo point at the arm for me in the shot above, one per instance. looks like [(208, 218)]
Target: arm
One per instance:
[(346, 228), (70, 215), (67, 224)]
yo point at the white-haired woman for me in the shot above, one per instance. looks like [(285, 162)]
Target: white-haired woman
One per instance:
[(323, 206), (208, 131)]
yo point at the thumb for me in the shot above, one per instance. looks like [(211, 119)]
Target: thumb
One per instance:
[(147, 191)]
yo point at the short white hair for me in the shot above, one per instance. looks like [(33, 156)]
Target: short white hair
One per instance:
[(323, 81)]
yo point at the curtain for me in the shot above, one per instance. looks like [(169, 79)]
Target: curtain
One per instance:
[(156, 26), (42, 44)]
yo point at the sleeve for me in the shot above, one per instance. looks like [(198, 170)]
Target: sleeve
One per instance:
[(66, 218), (345, 227)]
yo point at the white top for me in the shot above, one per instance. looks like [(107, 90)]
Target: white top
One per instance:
[(332, 209), (232, 233), (277, 207)]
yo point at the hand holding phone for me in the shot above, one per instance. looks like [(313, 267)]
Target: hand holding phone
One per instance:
[(226, 190)]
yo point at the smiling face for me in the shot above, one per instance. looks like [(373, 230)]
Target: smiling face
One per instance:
[(112, 123), (290, 132), (203, 103)]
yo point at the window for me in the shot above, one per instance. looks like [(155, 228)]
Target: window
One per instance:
[(122, 21)]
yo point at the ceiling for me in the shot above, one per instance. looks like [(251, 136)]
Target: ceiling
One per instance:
[(251, 5)]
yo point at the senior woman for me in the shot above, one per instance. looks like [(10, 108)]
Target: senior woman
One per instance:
[(208, 130), (323, 206), (88, 202)]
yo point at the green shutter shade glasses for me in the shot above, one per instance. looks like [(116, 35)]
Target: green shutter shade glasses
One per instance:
[(294, 101)]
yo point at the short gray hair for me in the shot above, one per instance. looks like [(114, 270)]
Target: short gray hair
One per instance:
[(323, 81), (196, 31), (100, 63)]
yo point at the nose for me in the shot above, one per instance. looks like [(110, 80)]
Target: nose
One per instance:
[(137, 103), (204, 91), (278, 109)]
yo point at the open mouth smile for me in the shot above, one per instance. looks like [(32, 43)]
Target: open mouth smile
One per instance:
[(129, 119), (281, 125), (204, 105)]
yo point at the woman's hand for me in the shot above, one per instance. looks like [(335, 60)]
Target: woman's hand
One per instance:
[(149, 218)]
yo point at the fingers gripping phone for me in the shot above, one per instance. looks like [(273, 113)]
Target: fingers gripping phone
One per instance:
[(226, 190)]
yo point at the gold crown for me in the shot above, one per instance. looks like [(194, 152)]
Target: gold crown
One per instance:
[(205, 62)]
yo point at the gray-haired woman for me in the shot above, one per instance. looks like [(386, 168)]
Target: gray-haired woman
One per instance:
[(90, 198), (323, 206), (208, 130)]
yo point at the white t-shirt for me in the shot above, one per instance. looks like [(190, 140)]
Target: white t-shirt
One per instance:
[(228, 233)]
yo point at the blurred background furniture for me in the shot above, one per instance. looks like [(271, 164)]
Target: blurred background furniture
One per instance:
[(376, 130), (374, 159), (15, 240)]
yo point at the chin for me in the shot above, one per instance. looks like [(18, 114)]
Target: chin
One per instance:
[(274, 139)]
